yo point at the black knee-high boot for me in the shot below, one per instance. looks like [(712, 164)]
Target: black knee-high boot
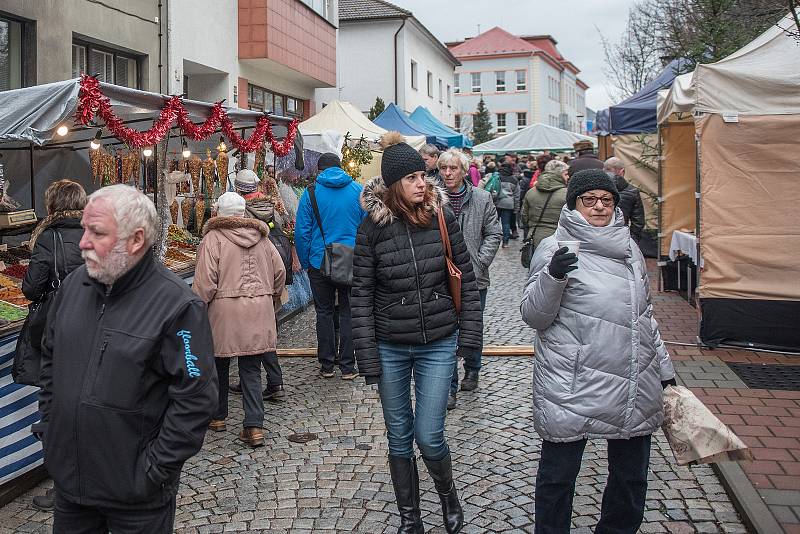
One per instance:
[(405, 480), (442, 473)]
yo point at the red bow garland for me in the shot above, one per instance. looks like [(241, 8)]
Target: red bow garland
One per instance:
[(91, 102)]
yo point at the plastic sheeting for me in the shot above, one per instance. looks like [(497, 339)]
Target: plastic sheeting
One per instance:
[(639, 153), (394, 119), (678, 180), (749, 236), (434, 126), (535, 137)]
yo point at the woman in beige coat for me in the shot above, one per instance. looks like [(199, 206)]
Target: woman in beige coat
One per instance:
[(240, 275)]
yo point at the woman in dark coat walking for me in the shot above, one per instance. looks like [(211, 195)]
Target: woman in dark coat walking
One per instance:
[(405, 322)]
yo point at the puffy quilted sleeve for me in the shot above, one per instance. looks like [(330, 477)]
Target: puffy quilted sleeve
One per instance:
[(362, 303), (470, 333), (541, 298)]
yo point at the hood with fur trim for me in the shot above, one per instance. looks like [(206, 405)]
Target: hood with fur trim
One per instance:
[(70, 219), (240, 231), (379, 212)]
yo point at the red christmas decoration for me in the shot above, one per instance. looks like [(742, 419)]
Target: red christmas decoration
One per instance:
[(92, 102)]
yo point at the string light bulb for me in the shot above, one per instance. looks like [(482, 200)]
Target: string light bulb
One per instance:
[(185, 149), (222, 147), (147, 152), (96, 142), (62, 130)]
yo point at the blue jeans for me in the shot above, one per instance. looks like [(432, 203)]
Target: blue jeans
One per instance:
[(505, 220), (472, 361), (432, 367)]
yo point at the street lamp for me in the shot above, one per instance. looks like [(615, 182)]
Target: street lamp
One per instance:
[(579, 116)]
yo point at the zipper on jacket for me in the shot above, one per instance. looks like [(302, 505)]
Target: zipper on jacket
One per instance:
[(437, 295), (575, 369), (384, 308), (419, 291)]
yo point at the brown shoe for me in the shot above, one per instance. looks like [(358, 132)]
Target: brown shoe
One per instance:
[(217, 425), (253, 436)]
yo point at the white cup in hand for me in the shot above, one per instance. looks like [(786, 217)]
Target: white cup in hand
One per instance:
[(572, 246)]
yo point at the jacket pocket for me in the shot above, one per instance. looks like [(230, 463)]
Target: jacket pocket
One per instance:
[(438, 296), (575, 370), (391, 304), (122, 365)]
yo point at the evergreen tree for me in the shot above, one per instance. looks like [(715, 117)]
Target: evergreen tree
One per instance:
[(377, 109), (481, 124)]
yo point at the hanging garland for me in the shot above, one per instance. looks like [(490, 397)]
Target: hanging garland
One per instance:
[(92, 102)]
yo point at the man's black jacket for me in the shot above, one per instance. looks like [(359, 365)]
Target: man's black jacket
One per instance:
[(630, 202), (128, 386)]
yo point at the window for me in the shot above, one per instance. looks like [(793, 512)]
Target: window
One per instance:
[(413, 74), (264, 100), (448, 96), (109, 65), (430, 84), (456, 86), (553, 90), (501, 123), (323, 8), (501, 81), (522, 120), (10, 54), (521, 81), (457, 122), (440, 90), (476, 82)]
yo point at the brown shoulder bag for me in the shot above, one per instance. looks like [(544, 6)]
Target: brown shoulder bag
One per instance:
[(453, 272)]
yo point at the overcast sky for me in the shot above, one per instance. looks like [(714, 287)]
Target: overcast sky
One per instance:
[(571, 22)]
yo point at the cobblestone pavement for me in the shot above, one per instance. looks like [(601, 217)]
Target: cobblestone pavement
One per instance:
[(502, 322), (340, 482)]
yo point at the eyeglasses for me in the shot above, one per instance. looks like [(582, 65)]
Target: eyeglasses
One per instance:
[(452, 168), (590, 202)]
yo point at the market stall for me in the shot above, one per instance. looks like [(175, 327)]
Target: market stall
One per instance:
[(532, 138), (393, 119), (424, 118), (743, 112), (100, 134)]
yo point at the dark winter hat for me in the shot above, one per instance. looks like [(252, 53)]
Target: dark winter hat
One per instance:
[(328, 159), (506, 170), (399, 159), (587, 180), (582, 145)]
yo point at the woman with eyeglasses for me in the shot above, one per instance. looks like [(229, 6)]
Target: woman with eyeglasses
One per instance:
[(600, 364)]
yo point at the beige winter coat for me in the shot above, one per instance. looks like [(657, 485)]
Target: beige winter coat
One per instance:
[(238, 273)]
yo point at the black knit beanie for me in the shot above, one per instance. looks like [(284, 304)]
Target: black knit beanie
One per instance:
[(588, 180), (399, 159), (328, 159)]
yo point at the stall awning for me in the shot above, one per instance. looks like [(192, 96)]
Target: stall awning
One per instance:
[(394, 119), (423, 117), (535, 137)]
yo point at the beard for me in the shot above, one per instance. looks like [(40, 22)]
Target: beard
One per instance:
[(116, 263)]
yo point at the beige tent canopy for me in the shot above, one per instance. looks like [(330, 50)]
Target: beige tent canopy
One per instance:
[(739, 119)]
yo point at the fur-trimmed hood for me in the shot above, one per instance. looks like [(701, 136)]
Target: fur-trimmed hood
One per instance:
[(71, 219), (241, 231), (379, 212)]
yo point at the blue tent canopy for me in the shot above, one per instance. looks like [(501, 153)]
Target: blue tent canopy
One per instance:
[(392, 118), (433, 126), (637, 114)]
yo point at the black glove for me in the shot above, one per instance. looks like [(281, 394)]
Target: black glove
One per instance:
[(462, 353), (372, 379), (562, 263), (670, 382)]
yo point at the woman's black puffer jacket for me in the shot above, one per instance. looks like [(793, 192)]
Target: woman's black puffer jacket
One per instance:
[(40, 275), (400, 292)]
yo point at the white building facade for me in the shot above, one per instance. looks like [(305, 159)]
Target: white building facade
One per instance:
[(384, 51), (522, 80)]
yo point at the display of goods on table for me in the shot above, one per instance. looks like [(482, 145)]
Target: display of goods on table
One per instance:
[(13, 304), (181, 249)]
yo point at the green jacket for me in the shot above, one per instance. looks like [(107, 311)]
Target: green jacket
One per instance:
[(534, 202)]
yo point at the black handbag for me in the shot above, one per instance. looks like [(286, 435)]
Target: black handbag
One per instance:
[(337, 261), (28, 353), (526, 252)]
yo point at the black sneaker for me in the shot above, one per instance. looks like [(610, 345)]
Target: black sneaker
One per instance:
[(470, 381), (45, 502), (327, 373), (235, 388), (273, 393), (451, 400)]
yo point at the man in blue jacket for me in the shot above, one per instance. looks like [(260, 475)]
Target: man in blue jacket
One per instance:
[(337, 196)]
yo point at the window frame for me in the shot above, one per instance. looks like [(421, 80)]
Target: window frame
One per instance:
[(457, 122), (524, 122), (472, 81), (500, 81), (429, 83), (441, 90), (275, 97), (448, 96), (456, 83), (88, 47), (524, 84), (501, 128), (414, 75)]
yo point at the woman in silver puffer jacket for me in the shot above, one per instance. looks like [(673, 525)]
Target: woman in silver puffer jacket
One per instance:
[(600, 363)]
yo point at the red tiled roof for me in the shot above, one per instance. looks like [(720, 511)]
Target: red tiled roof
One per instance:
[(492, 42), (545, 43)]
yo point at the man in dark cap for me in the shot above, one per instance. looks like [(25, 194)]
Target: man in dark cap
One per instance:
[(336, 195), (586, 159)]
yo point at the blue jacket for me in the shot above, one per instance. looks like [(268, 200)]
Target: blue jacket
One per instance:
[(338, 200)]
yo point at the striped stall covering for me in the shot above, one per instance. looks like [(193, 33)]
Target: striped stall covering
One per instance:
[(20, 451)]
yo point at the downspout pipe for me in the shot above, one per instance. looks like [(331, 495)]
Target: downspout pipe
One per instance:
[(396, 77)]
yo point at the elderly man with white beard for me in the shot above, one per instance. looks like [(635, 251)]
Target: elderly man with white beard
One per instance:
[(128, 377)]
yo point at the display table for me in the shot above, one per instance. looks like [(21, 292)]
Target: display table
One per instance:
[(685, 243)]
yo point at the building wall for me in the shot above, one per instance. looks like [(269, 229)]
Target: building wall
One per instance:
[(429, 58), (549, 100), (131, 25), (360, 44), (509, 102)]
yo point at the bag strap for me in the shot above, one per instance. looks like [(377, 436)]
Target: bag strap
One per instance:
[(445, 236), (56, 283), (315, 207), (541, 214)]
